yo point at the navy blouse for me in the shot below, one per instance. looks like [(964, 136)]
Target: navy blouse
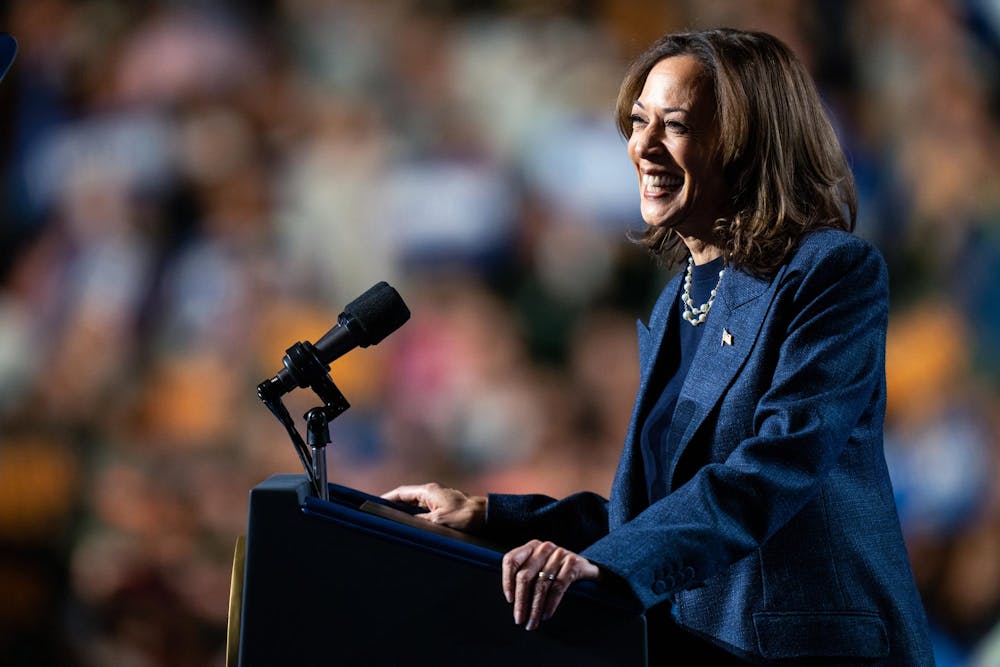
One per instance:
[(671, 371)]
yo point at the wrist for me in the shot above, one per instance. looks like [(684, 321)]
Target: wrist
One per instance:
[(478, 504)]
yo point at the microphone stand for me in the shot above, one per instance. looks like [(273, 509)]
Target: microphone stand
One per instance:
[(302, 360), (318, 436)]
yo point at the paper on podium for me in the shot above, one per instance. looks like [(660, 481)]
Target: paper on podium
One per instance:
[(394, 514)]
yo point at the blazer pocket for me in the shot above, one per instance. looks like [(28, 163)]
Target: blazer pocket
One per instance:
[(844, 634)]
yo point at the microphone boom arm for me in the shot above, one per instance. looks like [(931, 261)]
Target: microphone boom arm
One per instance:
[(307, 370)]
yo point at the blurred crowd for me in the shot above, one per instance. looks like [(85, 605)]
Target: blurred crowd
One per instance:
[(189, 187)]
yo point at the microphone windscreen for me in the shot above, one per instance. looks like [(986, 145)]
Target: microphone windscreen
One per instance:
[(376, 314)]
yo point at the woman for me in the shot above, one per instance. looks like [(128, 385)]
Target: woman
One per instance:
[(752, 500)]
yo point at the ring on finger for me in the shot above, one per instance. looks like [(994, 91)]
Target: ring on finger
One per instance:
[(546, 576)]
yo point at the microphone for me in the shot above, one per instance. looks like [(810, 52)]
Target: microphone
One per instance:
[(365, 321)]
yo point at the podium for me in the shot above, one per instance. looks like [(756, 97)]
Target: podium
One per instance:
[(330, 583)]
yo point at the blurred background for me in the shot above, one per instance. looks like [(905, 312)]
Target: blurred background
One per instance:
[(189, 187)]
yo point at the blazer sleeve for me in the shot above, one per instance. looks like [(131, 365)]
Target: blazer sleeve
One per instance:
[(573, 522), (833, 310)]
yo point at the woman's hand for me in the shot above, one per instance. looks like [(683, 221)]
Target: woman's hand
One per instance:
[(535, 577), (448, 507)]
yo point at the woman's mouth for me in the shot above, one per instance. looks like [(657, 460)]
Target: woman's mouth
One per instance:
[(654, 185)]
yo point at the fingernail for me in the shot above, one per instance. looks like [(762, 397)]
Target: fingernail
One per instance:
[(530, 626), (517, 618), (507, 597)]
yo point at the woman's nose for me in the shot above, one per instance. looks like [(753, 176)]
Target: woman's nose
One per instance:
[(647, 141)]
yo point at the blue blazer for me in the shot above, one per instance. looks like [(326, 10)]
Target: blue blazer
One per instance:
[(781, 540)]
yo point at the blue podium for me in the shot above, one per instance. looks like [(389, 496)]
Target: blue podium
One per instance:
[(339, 582)]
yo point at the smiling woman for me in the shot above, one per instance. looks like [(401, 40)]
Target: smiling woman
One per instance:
[(674, 144), (771, 143), (752, 514)]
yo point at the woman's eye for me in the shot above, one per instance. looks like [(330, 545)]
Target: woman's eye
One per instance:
[(637, 119), (676, 126)]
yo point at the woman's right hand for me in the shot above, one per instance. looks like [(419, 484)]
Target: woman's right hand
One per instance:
[(448, 507)]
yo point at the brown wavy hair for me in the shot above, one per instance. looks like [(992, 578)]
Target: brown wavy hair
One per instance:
[(786, 171)]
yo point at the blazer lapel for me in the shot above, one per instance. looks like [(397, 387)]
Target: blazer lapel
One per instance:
[(651, 338), (728, 338), (628, 493)]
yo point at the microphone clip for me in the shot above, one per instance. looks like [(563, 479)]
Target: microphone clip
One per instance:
[(303, 363), (307, 370)]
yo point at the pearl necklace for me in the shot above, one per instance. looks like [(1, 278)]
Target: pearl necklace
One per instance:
[(695, 315)]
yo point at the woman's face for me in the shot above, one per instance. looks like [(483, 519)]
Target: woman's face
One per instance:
[(674, 148)]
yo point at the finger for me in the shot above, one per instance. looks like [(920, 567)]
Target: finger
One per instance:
[(525, 579), (564, 578), (411, 494), (511, 563), (546, 585), (431, 517)]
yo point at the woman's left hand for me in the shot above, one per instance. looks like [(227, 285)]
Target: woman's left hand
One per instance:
[(535, 577)]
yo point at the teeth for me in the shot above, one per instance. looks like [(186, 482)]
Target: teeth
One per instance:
[(661, 181)]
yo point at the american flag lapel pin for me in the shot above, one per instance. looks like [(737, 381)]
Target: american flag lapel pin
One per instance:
[(727, 338)]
